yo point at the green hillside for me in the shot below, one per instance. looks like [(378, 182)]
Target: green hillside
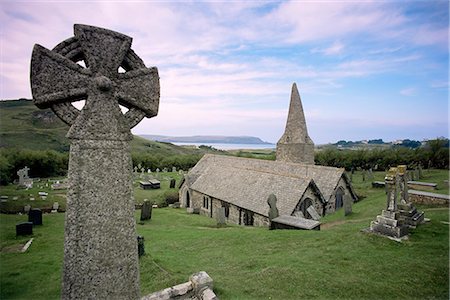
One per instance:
[(24, 126)]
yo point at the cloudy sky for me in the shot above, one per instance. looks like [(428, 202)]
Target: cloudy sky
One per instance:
[(364, 69)]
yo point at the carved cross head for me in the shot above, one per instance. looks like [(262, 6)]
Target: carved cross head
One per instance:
[(57, 80)]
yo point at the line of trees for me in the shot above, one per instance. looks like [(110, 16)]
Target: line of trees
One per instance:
[(435, 154)]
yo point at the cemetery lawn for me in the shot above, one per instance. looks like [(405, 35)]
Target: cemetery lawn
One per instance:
[(339, 261)]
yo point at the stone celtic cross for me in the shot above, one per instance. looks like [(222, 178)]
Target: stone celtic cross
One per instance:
[(100, 246)]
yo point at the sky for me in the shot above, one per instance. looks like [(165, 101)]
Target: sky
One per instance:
[(364, 69)]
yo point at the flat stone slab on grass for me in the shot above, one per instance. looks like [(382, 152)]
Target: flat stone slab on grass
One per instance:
[(422, 185), (378, 184), (291, 222)]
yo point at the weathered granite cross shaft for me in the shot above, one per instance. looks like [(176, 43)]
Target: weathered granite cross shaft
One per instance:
[(100, 247)]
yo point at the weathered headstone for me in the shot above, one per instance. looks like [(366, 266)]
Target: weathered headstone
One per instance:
[(26, 208), (174, 169), (348, 202), (24, 180), (389, 223), (409, 214), (100, 257), (273, 210), (55, 207), (146, 210), (24, 228), (35, 216), (172, 183), (164, 170), (313, 213), (141, 245), (221, 216)]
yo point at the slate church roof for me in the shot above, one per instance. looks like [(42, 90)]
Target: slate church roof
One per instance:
[(248, 182)]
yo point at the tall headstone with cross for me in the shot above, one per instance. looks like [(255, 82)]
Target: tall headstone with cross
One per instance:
[(100, 246), (24, 179), (409, 214), (390, 223)]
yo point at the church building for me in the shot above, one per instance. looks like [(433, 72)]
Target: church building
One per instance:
[(243, 185)]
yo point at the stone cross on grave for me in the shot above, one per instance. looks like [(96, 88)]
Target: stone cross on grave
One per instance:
[(100, 246), (25, 170), (21, 173)]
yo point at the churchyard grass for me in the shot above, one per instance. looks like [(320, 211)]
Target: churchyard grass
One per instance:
[(339, 261)]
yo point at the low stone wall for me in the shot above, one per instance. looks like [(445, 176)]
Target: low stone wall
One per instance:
[(420, 197), (199, 286)]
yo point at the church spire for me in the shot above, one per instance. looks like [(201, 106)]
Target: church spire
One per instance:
[(295, 145)]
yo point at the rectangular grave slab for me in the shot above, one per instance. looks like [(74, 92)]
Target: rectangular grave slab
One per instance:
[(313, 213), (422, 185), (291, 222)]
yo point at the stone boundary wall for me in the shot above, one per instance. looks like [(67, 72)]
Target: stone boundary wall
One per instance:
[(420, 197)]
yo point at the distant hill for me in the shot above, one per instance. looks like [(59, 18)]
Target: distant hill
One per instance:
[(24, 126), (376, 143), (206, 139)]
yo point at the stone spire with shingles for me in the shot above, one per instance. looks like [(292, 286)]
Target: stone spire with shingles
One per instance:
[(295, 145)]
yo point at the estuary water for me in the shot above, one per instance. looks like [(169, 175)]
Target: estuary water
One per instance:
[(230, 146)]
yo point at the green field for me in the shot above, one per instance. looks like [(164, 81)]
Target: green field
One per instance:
[(338, 262)]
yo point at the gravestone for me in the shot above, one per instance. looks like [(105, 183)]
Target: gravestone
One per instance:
[(26, 208), (172, 183), (273, 210), (221, 216), (348, 202), (24, 180), (409, 214), (35, 216), (390, 223), (55, 207), (313, 213), (174, 169), (24, 228), (141, 245), (164, 170), (149, 171), (100, 246), (146, 210)]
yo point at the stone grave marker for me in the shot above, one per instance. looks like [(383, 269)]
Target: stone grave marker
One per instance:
[(348, 202), (174, 169), (26, 208), (273, 210), (55, 207), (390, 223), (141, 245), (35, 216), (146, 210), (149, 171), (164, 170), (24, 228), (172, 183), (313, 213), (221, 216), (99, 216)]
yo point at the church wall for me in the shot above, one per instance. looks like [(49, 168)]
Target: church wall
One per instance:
[(318, 205), (331, 205)]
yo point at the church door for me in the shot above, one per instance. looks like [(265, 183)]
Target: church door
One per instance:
[(188, 199), (339, 198)]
